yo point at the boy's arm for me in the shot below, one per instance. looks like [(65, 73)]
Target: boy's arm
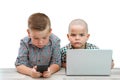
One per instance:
[(112, 66), (24, 69), (63, 57), (63, 64), (22, 59), (22, 62), (28, 71), (64, 60), (54, 68)]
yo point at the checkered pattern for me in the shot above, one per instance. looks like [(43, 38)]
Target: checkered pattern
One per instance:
[(31, 55), (65, 48)]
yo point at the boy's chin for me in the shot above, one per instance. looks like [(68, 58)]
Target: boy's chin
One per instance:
[(40, 46), (77, 47)]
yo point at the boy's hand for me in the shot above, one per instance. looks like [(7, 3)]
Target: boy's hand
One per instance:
[(34, 73), (47, 74), (112, 66)]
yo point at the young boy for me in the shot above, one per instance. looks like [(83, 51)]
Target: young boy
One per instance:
[(40, 47), (78, 36)]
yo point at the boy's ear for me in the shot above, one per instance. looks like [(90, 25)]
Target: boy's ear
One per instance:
[(50, 31), (68, 36), (28, 31), (88, 36)]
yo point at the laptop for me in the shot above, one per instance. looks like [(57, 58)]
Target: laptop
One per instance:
[(88, 62)]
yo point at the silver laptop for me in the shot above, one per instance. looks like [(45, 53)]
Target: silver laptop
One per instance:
[(88, 62)]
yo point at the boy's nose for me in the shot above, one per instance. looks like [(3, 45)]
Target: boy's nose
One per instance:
[(40, 42), (77, 37)]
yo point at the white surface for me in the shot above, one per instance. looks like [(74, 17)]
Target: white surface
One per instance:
[(102, 16), (11, 74)]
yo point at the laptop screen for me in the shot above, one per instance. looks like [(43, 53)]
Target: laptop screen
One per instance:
[(88, 62)]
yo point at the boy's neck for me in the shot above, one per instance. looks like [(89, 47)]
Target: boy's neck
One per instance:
[(83, 47)]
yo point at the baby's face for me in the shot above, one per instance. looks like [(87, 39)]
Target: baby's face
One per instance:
[(78, 36), (39, 38)]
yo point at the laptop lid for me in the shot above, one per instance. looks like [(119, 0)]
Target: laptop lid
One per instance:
[(88, 62)]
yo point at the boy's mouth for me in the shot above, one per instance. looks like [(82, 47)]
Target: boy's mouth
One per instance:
[(77, 43), (40, 46)]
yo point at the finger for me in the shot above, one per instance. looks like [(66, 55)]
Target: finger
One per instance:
[(35, 67), (46, 74)]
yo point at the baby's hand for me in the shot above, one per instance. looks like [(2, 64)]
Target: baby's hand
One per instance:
[(34, 73), (47, 74)]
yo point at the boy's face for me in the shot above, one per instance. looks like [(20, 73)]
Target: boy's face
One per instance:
[(39, 38), (78, 36)]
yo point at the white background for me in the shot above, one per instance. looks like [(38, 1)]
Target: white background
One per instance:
[(102, 16)]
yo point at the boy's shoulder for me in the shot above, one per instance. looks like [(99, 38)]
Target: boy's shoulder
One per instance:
[(26, 39), (65, 48), (91, 46), (54, 38)]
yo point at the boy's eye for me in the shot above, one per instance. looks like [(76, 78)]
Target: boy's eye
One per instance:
[(44, 37), (76, 35), (73, 34), (81, 35), (36, 38)]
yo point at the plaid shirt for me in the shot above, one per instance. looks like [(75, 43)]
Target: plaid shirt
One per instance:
[(65, 48), (31, 55)]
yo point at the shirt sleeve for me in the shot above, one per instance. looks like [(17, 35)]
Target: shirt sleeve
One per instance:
[(22, 55), (63, 54), (56, 56)]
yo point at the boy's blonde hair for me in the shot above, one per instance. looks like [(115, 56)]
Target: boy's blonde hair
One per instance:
[(39, 21), (78, 22)]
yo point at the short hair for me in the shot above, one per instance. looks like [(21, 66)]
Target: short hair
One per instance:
[(39, 21), (78, 22)]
